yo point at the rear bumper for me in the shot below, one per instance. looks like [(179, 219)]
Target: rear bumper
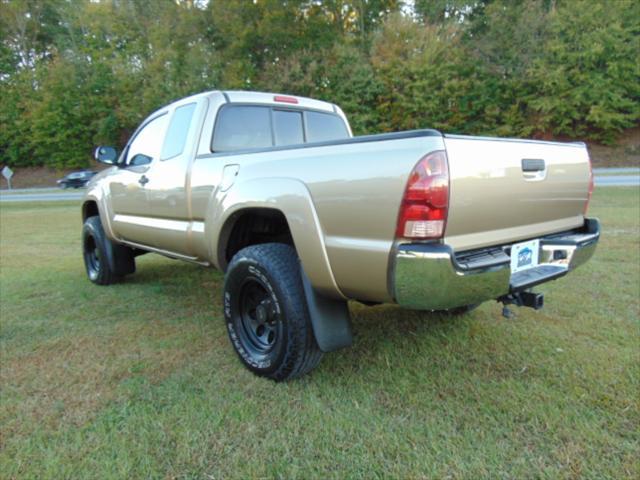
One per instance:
[(432, 277)]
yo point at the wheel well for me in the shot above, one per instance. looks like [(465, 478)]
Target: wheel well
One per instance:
[(89, 209), (252, 227)]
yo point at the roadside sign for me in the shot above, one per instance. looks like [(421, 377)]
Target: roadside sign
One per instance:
[(7, 173)]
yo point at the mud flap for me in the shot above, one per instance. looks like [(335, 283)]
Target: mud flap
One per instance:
[(120, 258), (330, 318)]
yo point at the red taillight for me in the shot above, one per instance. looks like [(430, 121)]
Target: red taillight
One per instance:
[(590, 192), (424, 207), (284, 99)]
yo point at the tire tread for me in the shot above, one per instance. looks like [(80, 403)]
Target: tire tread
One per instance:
[(302, 353)]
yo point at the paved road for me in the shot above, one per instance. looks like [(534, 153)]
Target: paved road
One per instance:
[(40, 197), (604, 177), (617, 181), (617, 171), (34, 190)]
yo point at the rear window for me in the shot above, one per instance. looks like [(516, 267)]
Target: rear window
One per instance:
[(322, 127), (176, 136), (287, 126), (241, 128)]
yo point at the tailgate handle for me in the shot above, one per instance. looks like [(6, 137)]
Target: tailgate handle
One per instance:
[(533, 165)]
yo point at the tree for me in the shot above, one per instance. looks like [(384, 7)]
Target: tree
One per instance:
[(322, 74), (588, 80), (77, 73), (424, 80)]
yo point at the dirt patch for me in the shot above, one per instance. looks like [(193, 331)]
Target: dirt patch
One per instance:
[(34, 177), (626, 153)]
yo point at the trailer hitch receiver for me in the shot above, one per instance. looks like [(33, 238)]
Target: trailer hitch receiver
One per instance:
[(521, 299)]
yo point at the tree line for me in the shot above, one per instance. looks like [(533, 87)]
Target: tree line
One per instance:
[(78, 73)]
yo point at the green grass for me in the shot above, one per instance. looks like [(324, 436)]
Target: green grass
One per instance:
[(139, 380)]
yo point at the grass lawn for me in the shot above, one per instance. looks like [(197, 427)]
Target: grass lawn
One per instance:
[(138, 380)]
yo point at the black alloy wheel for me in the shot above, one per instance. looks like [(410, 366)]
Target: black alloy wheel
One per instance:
[(259, 318)]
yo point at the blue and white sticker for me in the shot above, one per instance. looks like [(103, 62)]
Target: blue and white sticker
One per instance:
[(524, 255)]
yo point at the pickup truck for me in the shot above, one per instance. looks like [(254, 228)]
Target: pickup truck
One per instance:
[(301, 217)]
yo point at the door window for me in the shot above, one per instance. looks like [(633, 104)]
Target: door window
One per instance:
[(176, 137), (146, 145)]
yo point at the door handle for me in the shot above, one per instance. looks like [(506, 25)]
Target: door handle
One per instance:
[(534, 169), (143, 180), (533, 165)]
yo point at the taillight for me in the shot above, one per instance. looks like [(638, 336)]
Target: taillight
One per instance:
[(590, 192), (285, 99), (424, 207)]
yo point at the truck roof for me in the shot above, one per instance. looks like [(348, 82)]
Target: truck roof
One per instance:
[(239, 96), (266, 98)]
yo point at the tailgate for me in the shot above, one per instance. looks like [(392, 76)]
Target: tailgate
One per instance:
[(504, 190)]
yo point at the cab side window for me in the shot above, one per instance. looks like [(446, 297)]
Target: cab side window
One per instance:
[(241, 128), (146, 145), (176, 137)]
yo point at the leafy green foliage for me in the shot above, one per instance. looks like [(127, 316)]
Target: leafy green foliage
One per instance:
[(74, 74), (322, 75), (421, 68), (593, 89)]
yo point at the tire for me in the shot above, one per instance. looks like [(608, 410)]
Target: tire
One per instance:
[(104, 261), (266, 312)]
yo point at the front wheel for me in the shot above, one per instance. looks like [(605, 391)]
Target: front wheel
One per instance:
[(104, 261), (266, 312)]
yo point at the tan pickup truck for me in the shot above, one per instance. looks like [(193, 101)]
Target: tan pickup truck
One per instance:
[(301, 216)]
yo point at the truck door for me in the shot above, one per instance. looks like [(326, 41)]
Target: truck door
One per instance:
[(167, 189), (128, 186)]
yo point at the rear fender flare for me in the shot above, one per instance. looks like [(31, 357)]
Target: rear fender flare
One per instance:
[(290, 197)]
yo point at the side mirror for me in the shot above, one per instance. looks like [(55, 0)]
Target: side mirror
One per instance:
[(106, 155)]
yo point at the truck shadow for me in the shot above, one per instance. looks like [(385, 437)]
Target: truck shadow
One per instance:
[(435, 354), (386, 337), (372, 325), (389, 326)]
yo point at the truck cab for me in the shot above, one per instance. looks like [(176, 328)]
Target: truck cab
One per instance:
[(158, 190)]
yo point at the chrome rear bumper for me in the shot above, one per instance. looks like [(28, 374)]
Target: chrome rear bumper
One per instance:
[(432, 277)]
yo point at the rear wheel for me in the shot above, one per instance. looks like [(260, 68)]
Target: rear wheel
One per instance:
[(266, 312), (104, 261)]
